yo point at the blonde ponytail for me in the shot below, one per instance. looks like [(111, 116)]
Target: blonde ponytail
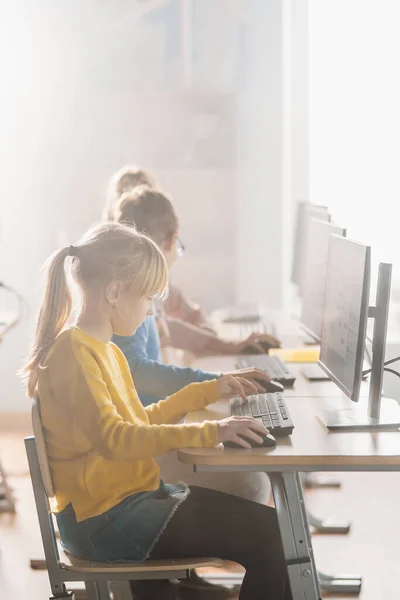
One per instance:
[(107, 252), (54, 312)]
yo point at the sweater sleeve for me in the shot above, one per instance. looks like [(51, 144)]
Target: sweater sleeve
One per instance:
[(151, 377), (116, 439), (193, 397), (187, 336)]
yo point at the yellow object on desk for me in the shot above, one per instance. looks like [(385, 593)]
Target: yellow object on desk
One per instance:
[(303, 355)]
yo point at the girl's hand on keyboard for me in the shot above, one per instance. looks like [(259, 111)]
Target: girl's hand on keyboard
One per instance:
[(230, 387), (234, 429), (256, 343), (252, 375), (249, 345), (266, 340)]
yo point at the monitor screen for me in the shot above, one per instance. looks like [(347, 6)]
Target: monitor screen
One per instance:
[(305, 211), (297, 241), (315, 264), (345, 313), (310, 212)]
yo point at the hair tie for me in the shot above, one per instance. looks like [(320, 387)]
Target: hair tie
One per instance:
[(72, 251)]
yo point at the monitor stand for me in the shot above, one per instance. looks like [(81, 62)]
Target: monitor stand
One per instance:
[(357, 418), (313, 372)]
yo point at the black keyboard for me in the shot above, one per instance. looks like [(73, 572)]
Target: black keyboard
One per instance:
[(271, 365), (270, 409)]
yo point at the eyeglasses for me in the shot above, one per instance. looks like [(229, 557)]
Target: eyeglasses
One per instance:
[(180, 248)]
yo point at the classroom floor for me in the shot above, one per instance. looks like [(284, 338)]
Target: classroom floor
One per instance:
[(369, 500)]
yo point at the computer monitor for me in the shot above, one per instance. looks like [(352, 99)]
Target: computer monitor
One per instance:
[(345, 313), (315, 267), (310, 212), (294, 278), (346, 310), (305, 212)]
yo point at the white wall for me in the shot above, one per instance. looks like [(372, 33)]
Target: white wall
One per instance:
[(260, 155), (296, 155), (205, 201)]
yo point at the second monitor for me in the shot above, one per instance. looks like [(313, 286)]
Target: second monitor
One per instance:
[(315, 267), (305, 212), (346, 310)]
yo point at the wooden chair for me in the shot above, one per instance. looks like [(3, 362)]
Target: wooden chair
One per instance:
[(62, 567)]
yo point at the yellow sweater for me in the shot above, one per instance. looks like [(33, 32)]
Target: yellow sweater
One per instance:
[(101, 441)]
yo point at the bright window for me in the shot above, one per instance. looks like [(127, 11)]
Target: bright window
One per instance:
[(355, 119)]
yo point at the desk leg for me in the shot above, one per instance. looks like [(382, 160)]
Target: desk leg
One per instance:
[(296, 538)]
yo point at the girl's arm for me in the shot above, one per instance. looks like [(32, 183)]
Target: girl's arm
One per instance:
[(193, 397), (97, 417)]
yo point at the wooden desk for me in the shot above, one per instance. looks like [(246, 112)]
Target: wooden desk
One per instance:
[(309, 448)]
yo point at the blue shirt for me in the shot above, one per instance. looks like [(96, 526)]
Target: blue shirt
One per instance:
[(154, 380)]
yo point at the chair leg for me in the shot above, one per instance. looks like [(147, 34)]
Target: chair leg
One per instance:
[(91, 590), (121, 590), (103, 590), (97, 590)]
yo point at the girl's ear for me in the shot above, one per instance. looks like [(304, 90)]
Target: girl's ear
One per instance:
[(167, 244), (113, 291)]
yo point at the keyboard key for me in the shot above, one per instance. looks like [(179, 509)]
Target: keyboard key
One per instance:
[(269, 408), (272, 366), (255, 409)]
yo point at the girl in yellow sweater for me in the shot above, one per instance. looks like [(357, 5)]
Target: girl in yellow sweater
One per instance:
[(101, 441)]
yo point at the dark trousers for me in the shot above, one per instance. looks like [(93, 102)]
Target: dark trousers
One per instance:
[(211, 523)]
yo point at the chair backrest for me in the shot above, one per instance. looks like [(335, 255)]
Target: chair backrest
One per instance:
[(43, 490), (41, 449)]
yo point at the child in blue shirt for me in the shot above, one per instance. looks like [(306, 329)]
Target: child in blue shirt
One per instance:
[(153, 379)]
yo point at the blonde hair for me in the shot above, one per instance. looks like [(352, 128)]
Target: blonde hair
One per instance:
[(125, 180), (149, 211), (107, 252)]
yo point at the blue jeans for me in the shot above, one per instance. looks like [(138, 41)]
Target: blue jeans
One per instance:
[(126, 532)]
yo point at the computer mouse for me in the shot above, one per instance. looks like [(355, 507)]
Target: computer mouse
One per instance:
[(268, 442), (271, 386)]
